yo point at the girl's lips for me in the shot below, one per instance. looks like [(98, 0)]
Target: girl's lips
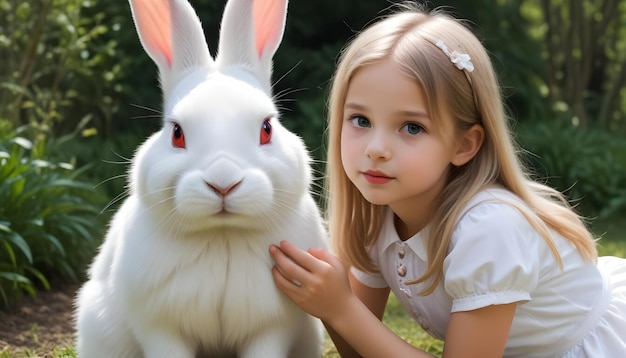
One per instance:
[(376, 177)]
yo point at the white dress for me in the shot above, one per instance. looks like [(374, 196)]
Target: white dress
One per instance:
[(496, 257)]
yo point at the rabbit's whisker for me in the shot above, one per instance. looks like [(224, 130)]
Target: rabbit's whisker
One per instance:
[(287, 73), (127, 160), (157, 203), (279, 96), (146, 108), (120, 176), (283, 109), (168, 222), (146, 116), (119, 197)]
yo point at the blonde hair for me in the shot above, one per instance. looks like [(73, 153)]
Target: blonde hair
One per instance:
[(408, 38)]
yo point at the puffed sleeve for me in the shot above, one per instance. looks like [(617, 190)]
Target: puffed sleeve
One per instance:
[(493, 258)]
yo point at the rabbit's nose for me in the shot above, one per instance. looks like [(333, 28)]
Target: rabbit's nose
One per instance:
[(221, 190)]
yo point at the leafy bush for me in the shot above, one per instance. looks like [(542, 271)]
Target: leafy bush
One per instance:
[(47, 219), (584, 164), (58, 66)]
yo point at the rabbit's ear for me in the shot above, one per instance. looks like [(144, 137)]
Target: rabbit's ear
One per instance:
[(250, 35), (172, 35)]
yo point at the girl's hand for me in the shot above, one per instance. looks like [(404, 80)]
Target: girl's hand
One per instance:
[(315, 279), (318, 282)]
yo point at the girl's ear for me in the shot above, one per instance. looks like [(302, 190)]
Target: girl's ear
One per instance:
[(469, 145)]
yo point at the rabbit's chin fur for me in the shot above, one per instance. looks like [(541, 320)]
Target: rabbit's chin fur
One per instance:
[(184, 270)]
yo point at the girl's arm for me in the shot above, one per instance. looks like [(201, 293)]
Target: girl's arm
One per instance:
[(375, 299), (479, 333)]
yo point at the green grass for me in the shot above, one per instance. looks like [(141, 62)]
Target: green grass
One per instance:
[(612, 248), (57, 352)]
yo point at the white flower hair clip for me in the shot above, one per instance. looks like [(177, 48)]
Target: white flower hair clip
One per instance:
[(462, 61)]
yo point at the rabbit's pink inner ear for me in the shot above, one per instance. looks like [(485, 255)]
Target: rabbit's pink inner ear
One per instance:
[(269, 23), (153, 22)]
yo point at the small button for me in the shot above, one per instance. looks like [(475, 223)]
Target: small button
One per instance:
[(401, 252), (402, 270)]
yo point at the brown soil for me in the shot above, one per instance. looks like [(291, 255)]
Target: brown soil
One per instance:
[(39, 324)]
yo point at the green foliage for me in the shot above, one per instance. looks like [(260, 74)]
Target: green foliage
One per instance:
[(582, 46), (587, 165), (55, 69), (47, 218)]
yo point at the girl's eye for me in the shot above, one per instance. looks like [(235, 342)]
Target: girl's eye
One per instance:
[(412, 128), (359, 121), (178, 137), (266, 132)]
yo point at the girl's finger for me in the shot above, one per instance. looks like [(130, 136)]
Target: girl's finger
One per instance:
[(299, 256), (283, 283), (288, 268), (325, 256)]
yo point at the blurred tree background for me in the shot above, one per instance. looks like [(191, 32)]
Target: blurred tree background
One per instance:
[(78, 94)]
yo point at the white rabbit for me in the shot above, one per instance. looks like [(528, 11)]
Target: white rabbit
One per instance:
[(185, 268)]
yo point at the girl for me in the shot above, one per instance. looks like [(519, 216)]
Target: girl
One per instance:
[(428, 199)]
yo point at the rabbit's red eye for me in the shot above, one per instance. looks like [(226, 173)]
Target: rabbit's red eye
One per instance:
[(178, 137), (266, 131)]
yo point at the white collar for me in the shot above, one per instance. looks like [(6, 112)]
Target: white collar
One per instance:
[(389, 236)]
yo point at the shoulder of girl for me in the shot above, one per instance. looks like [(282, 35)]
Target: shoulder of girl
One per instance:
[(492, 211)]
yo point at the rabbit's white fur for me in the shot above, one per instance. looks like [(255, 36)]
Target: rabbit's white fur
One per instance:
[(185, 269)]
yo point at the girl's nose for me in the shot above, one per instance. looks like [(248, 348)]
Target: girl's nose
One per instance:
[(378, 148)]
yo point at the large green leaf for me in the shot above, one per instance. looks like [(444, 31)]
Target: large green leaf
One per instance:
[(5, 226), (17, 239), (8, 249), (15, 277), (40, 276), (55, 242)]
